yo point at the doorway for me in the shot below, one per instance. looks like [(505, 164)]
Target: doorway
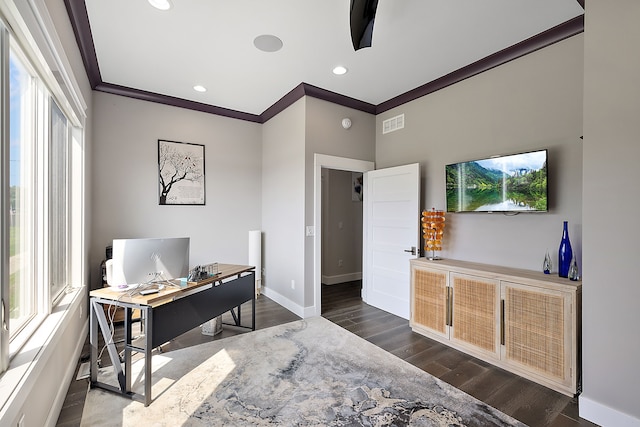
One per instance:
[(336, 163), (342, 240)]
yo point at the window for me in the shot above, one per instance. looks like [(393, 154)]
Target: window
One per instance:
[(58, 201), (22, 292), (40, 191)]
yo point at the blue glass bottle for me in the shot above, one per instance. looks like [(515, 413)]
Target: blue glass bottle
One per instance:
[(565, 253)]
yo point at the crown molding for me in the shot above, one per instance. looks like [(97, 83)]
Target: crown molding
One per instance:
[(77, 11), (305, 89), (175, 102)]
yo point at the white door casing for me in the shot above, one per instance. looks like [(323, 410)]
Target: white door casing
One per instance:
[(391, 222)]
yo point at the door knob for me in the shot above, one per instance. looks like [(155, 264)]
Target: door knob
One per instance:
[(412, 250)]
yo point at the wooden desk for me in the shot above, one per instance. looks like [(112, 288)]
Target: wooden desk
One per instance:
[(165, 315)]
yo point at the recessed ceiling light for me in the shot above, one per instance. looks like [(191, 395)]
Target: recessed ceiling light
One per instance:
[(199, 88), (339, 70), (267, 43), (160, 4)]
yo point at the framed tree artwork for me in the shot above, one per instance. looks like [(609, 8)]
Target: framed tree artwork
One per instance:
[(181, 173)]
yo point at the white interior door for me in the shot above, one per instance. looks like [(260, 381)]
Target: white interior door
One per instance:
[(391, 222)]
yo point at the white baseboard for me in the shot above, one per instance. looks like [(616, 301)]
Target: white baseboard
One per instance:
[(341, 278), (284, 301), (56, 407), (603, 415)]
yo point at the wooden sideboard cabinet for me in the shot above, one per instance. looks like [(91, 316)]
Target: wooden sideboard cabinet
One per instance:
[(523, 321)]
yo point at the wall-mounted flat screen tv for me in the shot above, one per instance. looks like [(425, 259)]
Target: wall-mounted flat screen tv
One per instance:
[(512, 183)]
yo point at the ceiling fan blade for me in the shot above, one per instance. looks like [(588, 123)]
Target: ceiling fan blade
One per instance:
[(363, 15)]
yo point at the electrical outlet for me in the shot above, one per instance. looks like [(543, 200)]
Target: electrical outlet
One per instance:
[(293, 284), (340, 263)]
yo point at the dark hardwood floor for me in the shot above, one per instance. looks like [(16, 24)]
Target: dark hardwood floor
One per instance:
[(524, 400)]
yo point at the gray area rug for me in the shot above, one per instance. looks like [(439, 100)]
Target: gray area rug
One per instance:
[(305, 373)]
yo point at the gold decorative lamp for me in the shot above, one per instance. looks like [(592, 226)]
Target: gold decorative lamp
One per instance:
[(432, 231)]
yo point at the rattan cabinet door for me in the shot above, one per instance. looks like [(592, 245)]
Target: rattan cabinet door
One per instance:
[(537, 332), (429, 300), (475, 321)]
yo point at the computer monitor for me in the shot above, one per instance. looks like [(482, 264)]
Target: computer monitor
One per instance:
[(139, 261)]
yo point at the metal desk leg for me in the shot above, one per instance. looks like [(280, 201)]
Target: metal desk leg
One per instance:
[(253, 314), (98, 312), (148, 313), (127, 348), (239, 320), (93, 343)]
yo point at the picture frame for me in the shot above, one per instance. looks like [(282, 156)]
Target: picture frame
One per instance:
[(181, 173)]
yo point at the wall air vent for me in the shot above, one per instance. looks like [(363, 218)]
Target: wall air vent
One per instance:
[(392, 124)]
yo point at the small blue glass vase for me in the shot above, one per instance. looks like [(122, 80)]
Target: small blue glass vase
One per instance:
[(565, 253)]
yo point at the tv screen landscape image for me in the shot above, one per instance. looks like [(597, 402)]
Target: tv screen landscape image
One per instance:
[(511, 183)]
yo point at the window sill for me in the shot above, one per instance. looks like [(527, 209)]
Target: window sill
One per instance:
[(23, 337), (24, 366)]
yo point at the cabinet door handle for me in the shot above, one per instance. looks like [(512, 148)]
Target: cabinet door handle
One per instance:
[(447, 308), (501, 322), (450, 306)]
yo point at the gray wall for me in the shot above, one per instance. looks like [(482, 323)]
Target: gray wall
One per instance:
[(341, 228), (611, 342), (125, 173), (531, 103), (282, 207)]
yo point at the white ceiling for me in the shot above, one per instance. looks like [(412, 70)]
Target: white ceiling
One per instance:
[(210, 43)]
